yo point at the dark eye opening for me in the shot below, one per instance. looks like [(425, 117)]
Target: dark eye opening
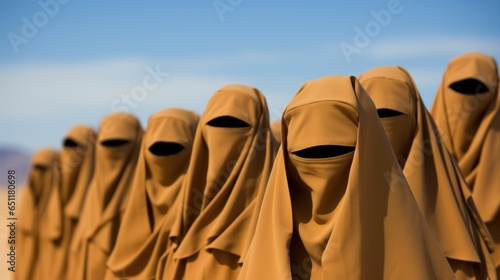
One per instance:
[(469, 86), (114, 143), (227, 121), (387, 113), (70, 143), (40, 167), (165, 148), (324, 151)]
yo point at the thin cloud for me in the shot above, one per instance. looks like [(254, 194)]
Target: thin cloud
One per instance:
[(34, 90), (431, 46), (38, 89), (45, 99)]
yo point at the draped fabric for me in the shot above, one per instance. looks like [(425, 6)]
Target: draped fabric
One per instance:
[(154, 201), (117, 149), (233, 152), (337, 205), (467, 112), (76, 166), (432, 173), (43, 179), (276, 130)]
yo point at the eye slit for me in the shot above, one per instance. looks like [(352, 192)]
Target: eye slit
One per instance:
[(227, 121), (469, 86), (165, 148), (324, 151), (70, 143), (388, 113), (114, 143), (40, 167)]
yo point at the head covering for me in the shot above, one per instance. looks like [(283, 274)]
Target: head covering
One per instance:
[(467, 115), (76, 165), (117, 150), (337, 205), (432, 173), (232, 157), (153, 204), (276, 131), (43, 178)]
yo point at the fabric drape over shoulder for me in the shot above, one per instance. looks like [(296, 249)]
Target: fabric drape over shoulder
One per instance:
[(467, 112), (153, 204), (44, 177), (432, 173), (117, 150), (232, 157), (337, 205), (76, 167)]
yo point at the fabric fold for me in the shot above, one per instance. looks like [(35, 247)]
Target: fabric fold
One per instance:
[(431, 171), (228, 170), (342, 213), (467, 112), (117, 149), (154, 199)]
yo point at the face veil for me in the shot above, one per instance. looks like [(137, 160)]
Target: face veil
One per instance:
[(154, 200), (467, 96), (231, 160), (432, 174), (467, 112), (43, 179), (117, 149), (76, 160), (346, 159)]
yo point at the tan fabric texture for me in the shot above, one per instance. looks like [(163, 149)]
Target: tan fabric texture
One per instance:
[(350, 216), (76, 166), (224, 184), (105, 202), (32, 254), (470, 126), (154, 199), (276, 130), (432, 173)]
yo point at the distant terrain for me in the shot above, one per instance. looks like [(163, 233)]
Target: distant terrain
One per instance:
[(17, 159)]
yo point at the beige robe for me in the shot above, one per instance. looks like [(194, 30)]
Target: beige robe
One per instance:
[(337, 205), (470, 125), (432, 173), (224, 184)]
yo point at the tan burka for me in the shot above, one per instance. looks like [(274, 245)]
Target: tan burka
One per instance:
[(33, 213), (276, 130), (432, 173), (224, 184), (117, 149), (153, 204), (337, 205), (470, 125), (76, 165)]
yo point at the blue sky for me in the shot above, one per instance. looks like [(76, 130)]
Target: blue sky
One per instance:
[(81, 59)]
